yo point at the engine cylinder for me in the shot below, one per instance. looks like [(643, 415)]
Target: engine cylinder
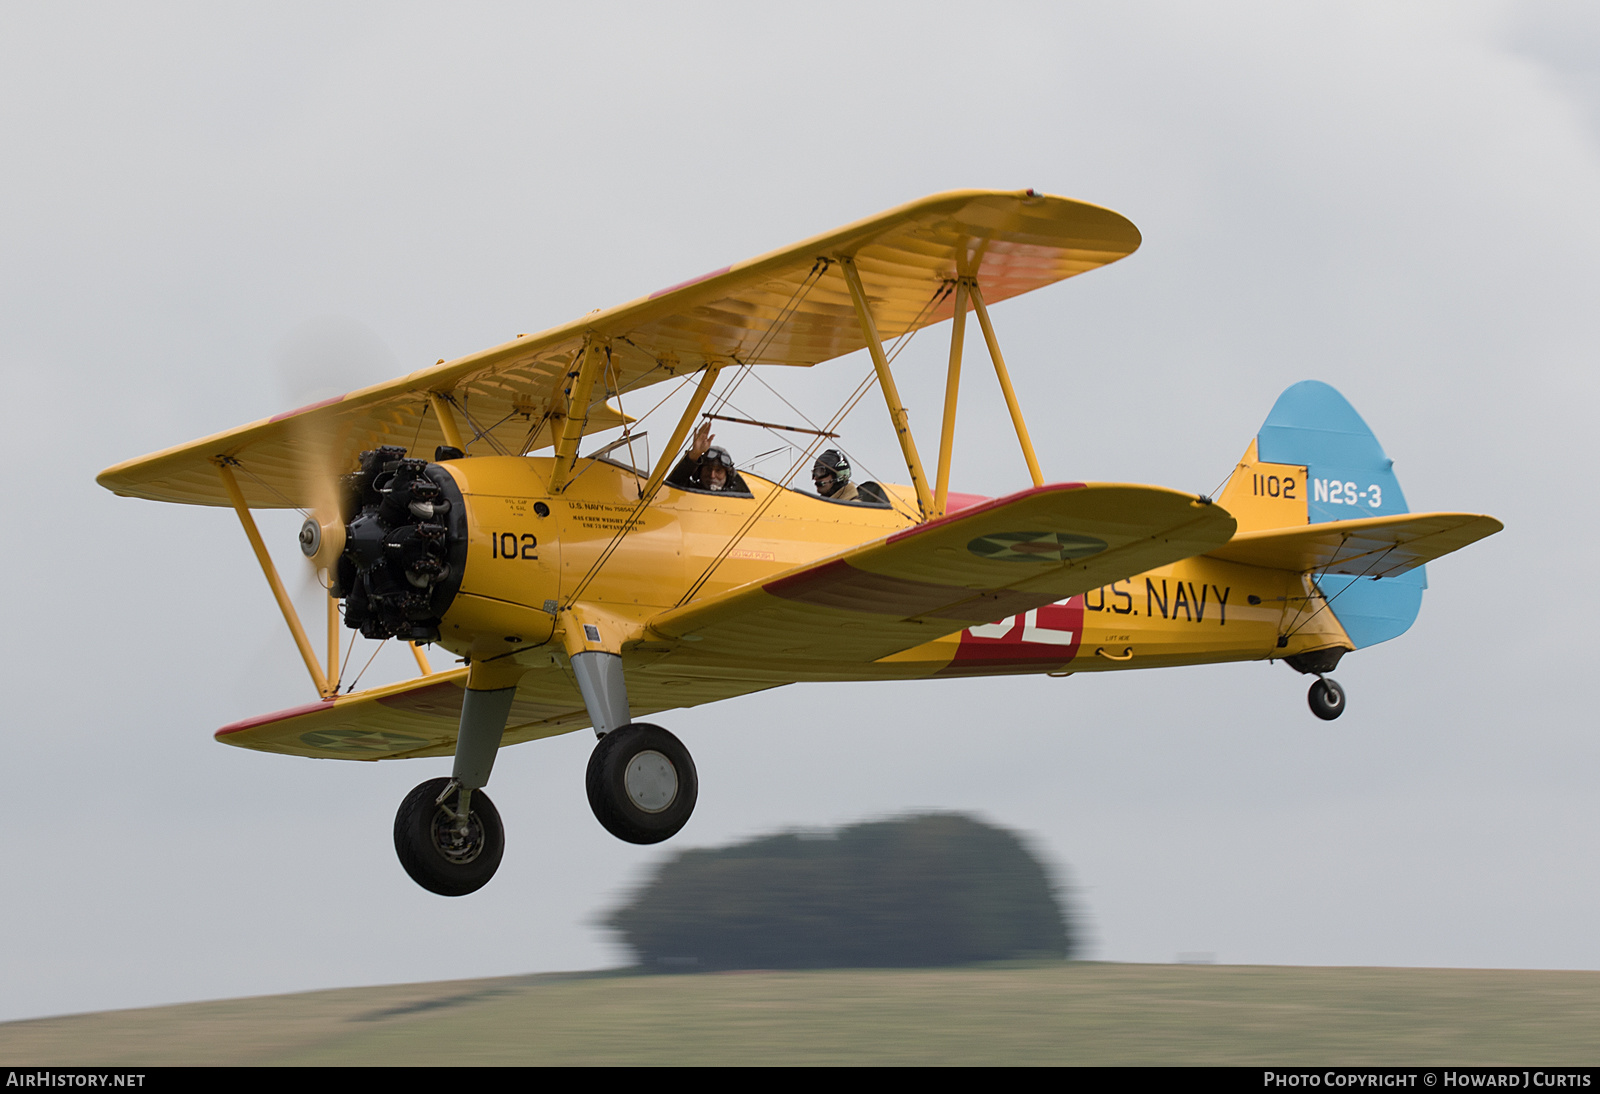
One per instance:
[(405, 546)]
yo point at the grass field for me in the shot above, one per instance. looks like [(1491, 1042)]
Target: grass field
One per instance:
[(1079, 1013)]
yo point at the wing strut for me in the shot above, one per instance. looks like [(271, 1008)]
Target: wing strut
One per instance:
[(680, 434), (285, 605), (421, 659), (333, 644), (952, 385), (897, 410), (581, 384), (447, 420), (1005, 383), (668, 454)]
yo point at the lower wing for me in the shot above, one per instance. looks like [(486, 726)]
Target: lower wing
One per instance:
[(421, 717)]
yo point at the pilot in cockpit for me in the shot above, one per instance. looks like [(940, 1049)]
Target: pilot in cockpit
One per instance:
[(707, 467)]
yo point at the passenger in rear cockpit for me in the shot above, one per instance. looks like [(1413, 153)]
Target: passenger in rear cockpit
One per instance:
[(831, 476)]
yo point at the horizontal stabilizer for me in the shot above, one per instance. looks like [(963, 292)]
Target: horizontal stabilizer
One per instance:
[(984, 563), (1369, 547)]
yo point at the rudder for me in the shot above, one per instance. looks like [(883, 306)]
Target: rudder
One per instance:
[(1316, 460)]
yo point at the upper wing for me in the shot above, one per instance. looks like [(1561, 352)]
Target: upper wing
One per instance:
[(1371, 547), (788, 307), (985, 563)]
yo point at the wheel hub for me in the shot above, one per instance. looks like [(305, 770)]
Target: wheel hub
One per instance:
[(453, 843), (651, 781)]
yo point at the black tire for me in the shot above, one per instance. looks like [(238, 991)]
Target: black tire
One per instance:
[(1326, 699), (438, 860), (655, 803)]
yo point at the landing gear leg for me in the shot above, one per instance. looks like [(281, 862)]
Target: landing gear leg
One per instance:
[(641, 781), (604, 690), (448, 833), (1326, 699)]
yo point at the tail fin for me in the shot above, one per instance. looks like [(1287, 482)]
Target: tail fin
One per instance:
[(1315, 460)]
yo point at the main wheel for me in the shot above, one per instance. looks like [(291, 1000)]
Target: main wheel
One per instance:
[(1326, 699), (642, 783), (433, 849)]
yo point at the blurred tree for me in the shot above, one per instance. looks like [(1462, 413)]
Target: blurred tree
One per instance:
[(942, 889)]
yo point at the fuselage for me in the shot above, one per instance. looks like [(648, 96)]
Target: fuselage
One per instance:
[(530, 552)]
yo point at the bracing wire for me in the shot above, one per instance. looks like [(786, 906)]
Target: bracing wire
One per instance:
[(265, 485), (850, 405), (344, 661), (784, 314), (365, 667), (747, 361), (426, 406), (481, 433), (772, 495), (810, 449), (1327, 601), (900, 343)]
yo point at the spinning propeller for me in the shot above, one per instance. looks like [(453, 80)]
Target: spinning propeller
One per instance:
[(324, 357), (322, 536)]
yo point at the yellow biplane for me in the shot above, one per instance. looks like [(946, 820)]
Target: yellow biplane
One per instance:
[(586, 591)]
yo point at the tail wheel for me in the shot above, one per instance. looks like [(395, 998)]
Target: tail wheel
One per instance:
[(642, 783), (440, 853), (1326, 699)]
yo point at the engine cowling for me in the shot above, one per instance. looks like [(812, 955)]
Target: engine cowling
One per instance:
[(405, 546)]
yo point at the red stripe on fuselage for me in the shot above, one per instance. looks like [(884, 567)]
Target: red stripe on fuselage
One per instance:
[(1043, 639)]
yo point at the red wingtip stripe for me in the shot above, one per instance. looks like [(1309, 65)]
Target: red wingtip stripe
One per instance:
[(691, 281), (306, 409), (276, 716)]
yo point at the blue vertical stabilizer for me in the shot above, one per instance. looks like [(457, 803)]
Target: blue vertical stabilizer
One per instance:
[(1347, 476)]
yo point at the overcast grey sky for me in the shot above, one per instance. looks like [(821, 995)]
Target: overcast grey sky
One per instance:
[(210, 210)]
